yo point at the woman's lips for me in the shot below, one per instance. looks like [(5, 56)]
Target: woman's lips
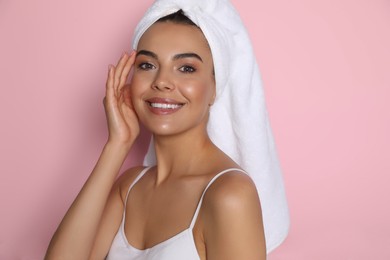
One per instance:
[(163, 106)]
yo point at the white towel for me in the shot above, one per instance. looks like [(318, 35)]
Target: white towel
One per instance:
[(238, 122)]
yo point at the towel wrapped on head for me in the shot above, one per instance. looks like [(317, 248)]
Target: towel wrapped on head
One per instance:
[(238, 122)]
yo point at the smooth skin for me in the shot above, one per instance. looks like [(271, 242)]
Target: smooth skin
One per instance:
[(229, 225)]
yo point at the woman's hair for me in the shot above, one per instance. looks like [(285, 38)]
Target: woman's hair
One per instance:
[(177, 17)]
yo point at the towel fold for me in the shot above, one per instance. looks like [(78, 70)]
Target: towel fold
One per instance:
[(238, 122)]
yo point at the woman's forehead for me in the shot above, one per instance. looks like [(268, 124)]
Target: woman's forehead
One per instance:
[(173, 35)]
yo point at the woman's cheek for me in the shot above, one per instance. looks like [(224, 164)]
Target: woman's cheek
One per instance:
[(134, 90), (199, 90), (136, 83)]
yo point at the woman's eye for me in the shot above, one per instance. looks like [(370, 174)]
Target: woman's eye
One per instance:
[(146, 66), (187, 69)]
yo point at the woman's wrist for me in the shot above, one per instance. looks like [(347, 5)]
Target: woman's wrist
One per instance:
[(120, 146), (111, 159)]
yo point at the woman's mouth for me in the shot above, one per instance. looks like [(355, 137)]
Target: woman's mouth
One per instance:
[(163, 106)]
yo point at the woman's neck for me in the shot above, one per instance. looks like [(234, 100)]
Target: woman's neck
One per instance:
[(177, 155)]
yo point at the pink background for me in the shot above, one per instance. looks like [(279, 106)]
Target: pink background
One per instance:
[(325, 66)]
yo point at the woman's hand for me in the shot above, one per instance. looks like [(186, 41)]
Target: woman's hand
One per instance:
[(123, 126), (76, 235)]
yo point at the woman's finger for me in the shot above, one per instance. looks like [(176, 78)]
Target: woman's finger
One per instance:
[(126, 96), (110, 82), (118, 72), (126, 71)]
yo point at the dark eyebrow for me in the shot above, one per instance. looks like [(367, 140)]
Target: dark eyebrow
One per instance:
[(176, 57), (187, 55), (147, 53)]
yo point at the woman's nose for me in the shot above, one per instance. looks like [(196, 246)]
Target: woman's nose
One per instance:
[(163, 82)]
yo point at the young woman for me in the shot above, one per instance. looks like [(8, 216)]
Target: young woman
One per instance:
[(195, 202)]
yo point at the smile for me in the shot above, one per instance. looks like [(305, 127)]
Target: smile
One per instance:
[(165, 106)]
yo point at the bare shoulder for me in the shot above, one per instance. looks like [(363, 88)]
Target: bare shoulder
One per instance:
[(126, 179), (232, 189), (232, 219)]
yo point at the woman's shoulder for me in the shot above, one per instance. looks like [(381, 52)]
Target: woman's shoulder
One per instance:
[(231, 192), (127, 178), (232, 218)]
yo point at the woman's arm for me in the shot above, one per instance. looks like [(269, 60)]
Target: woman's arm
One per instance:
[(112, 215), (75, 235), (233, 226)]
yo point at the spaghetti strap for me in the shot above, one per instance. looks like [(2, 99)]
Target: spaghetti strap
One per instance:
[(142, 173), (208, 185)]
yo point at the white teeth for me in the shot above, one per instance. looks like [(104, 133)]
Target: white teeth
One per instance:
[(165, 106)]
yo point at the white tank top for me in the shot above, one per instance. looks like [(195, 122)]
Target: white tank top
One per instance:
[(179, 247)]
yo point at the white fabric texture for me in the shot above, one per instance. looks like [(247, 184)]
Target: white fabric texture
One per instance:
[(238, 122)]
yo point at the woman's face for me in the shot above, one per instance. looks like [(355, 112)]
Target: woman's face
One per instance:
[(173, 83)]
